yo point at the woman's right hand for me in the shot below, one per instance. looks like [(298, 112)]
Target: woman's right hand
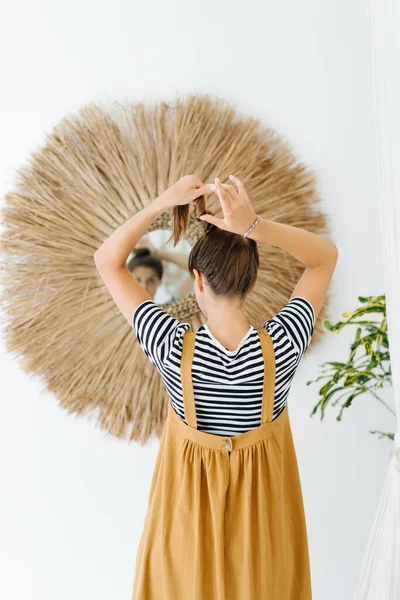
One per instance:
[(238, 212), (144, 242)]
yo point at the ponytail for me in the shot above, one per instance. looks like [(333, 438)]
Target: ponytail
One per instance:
[(180, 219)]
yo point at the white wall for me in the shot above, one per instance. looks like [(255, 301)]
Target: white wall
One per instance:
[(75, 499)]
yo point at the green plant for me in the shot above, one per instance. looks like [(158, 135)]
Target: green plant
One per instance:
[(367, 368)]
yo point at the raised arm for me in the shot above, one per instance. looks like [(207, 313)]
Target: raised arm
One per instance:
[(317, 253), (110, 258)]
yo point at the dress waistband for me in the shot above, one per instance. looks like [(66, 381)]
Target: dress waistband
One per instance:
[(226, 443)]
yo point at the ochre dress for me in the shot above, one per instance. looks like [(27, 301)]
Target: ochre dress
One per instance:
[(225, 518)]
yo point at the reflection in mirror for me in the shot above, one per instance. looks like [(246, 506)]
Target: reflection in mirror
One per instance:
[(162, 269)]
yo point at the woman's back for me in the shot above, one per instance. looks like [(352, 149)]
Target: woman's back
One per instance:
[(227, 383)]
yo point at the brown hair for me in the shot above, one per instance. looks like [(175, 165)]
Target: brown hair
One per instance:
[(142, 257), (228, 261)]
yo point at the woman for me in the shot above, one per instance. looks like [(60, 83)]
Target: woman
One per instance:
[(225, 515), (147, 266)]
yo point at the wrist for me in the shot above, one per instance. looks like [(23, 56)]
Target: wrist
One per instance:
[(158, 254), (259, 232), (254, 223), (163, 202)]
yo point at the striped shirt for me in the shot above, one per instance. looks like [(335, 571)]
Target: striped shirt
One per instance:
[(227, 384)]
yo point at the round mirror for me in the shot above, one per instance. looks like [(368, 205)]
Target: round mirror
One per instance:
[(96, 169), (161, 268)]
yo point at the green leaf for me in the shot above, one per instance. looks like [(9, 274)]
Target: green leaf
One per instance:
[(368, 365)]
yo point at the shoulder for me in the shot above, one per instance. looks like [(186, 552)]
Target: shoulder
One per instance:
[(158, 333), (295, 323)]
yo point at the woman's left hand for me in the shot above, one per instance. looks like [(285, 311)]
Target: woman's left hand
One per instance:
[(185, 190)]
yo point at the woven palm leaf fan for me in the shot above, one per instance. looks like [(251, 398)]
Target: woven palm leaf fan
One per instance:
[(93, 172)]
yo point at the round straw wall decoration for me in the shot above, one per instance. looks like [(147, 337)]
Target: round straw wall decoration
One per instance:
[(93, 172)]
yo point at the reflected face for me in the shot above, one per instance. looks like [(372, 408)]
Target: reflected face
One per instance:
[(148, 278)]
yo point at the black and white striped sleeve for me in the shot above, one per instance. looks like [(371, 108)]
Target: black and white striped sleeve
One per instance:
[(156, 331), (297, 319)]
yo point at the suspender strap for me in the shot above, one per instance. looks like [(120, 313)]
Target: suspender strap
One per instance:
[(189, 338), (269, 375)]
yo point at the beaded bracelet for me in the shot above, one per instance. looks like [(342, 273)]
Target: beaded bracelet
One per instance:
[(252, 227)]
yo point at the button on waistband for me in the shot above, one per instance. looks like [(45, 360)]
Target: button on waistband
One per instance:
[(228, 444)]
